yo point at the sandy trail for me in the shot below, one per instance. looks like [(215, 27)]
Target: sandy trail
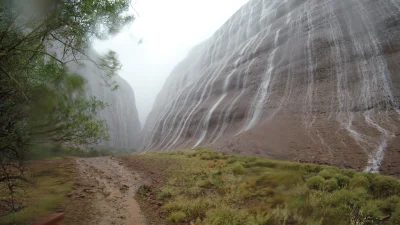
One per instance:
[(114, 189)]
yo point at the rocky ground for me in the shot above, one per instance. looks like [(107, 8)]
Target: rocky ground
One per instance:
[(102, 194)]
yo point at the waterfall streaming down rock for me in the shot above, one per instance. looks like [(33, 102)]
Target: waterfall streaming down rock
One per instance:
[(306, 80)]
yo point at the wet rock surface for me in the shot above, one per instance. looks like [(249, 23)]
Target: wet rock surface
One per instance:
[(121, 114), (305, 80)]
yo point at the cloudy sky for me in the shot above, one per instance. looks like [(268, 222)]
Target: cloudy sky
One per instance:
[(168, 29)]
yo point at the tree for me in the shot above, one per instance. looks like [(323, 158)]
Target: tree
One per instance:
[(110, 65), (40, 101)]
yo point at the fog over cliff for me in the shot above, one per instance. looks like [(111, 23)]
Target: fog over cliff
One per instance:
[(307, 80), (168, 29)]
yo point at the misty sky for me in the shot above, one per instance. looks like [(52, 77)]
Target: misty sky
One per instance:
[(169, 29)]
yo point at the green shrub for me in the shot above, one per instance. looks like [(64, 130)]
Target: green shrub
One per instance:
[(261, 163), (257, 170), (176, 217), (330, 185), (315, 182), (343, 181), (348, 172), (238, 169), (232, 160), (194, 191), (311, 168), (389, 205), (225, 216), (370, 211), (192, 208), (327, 173), (302, 193), (359, 182), (206, 183), (347, 198), (395, 217), (209, 155), (278, 178), (384, 186), (258, 219), (289, 165)]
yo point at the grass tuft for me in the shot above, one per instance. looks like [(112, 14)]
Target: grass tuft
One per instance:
[(213, 188)]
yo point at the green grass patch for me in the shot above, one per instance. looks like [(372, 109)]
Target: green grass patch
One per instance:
[(213, 188), (52, 151), (51, 183)]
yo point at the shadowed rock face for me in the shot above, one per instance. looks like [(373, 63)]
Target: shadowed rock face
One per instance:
[(121, 114), (307, 80)]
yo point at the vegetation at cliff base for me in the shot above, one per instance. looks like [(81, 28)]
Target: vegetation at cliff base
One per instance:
[(213, 188), (41, 101), (50, 183)]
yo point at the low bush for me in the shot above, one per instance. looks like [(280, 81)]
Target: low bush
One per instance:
[(176, 217), (389, 205), (238, 169), (328, 173), (315, 182), (395, 217), (384, 186), (252, 191), (359, 181), (330, 185)]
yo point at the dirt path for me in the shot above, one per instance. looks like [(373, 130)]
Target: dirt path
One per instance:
[(113, 187)]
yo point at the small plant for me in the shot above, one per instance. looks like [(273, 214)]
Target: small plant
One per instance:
[(315, 182), (253, 191), (262, 163), (389, 205), (143, 190), (238, 169), (359, 181), (395, 217), (220, 163), (327, 173), (226, 216), (343, 180), (384, 186), (311, 168), (176, 217), (330, 185)]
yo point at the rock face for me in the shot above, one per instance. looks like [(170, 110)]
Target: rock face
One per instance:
[(121, 114), (307, 80)]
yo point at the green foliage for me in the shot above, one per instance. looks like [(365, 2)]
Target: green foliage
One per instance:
[(311, 168), (53, 151), (389, 205), (238, 169), (52, 182), (226, 216), (342, 180), (384, 186), (330, 185), (60, 111), (359, 181), (395, 217), (327, 173), (210, 155), (176, 217), (261, 163), (315, 183), (110, 65), (213, 188), (192, 208), (40, 100)]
